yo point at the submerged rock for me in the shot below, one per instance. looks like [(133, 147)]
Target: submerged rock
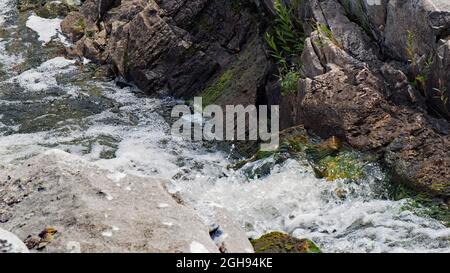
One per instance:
[(277, 242)]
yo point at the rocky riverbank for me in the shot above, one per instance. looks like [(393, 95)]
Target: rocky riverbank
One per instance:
[(88, 165)]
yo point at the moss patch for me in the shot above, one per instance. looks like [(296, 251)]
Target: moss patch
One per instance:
[(329, 159), (278, 242), (343, 166), (46, 8), (421, 204), (213, 92)]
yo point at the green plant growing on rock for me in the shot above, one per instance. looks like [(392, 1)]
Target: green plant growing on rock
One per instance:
[(286, 42), (420, 73), (278, 242), (443, 96), (213, 92), (419, 80), (329, 159), (289, 82), (80, 26), (326, 32), (343, 166), (410, 49), (421, 204)]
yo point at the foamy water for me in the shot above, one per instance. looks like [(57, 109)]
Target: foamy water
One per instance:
[(55, 106), (6, 10)]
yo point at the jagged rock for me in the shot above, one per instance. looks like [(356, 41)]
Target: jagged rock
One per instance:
[(74, 26), (309, 56), (424, 23), (350, 101), (178, 47), (93, 211), (438, 86)]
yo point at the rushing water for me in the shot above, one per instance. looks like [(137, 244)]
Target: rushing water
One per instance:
[(52, 103)]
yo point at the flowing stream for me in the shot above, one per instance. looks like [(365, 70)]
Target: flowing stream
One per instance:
[(49, 102)]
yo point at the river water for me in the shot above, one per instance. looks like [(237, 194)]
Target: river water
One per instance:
[(48, 102)]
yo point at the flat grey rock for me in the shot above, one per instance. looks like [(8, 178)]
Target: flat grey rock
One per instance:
[(94, 210)]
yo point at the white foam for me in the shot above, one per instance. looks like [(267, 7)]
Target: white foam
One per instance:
[(8, 60), (46, 28), (44, 76), (6, 8), (292, 200)]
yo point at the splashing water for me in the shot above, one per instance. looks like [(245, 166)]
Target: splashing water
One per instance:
[(6, 10), (57, 105)]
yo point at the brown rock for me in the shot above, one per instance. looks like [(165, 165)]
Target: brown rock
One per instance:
[(74, 25)]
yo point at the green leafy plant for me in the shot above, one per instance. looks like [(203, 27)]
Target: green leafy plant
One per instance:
[(286, 42), (443, 96), (411, 51), (420, 73), (276, 52), (289, 82)]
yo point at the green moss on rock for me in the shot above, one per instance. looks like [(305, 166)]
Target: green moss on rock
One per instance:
[(47, 9), (421, 204), (343, 166), (278, 242), (213, 92)]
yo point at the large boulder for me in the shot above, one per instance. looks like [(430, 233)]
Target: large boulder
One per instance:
[(58, 202), (416, 32), (369, 103)]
